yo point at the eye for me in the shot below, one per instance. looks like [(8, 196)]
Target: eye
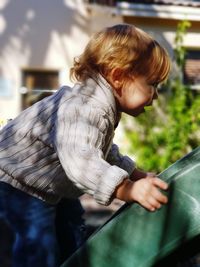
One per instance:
[(155, 85)]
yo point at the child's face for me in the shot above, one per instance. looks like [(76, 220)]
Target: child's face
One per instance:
[(135, 95)]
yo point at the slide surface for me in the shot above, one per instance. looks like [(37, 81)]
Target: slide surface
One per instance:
[(135, 237)]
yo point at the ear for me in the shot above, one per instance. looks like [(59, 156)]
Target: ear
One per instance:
[(116, 75)]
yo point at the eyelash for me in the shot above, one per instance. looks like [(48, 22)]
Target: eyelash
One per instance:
[(155, 85)]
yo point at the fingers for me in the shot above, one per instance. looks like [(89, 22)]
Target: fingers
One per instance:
[(151, 207), (159, 183), (157, 198), (149, 194), (154, 201)]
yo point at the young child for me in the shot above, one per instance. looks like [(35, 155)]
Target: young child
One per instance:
[(61, 147)]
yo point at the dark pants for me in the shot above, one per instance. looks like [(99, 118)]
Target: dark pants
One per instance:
[(44, 234)]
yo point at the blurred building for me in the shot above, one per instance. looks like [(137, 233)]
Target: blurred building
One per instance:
[(39, 40), (160, 19)]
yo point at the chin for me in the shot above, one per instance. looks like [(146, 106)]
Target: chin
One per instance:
[(137, 113)]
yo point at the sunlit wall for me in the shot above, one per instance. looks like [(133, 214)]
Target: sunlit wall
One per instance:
[(43, 34)]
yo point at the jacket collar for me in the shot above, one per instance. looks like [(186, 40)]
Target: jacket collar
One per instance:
[(102, 92)]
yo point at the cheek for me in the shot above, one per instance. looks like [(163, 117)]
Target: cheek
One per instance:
[(138, 100)]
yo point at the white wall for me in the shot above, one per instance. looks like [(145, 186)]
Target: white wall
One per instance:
[(33, 33)]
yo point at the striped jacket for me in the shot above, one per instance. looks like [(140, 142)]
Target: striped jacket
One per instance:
[(62, 145)]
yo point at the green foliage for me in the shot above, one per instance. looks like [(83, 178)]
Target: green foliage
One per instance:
[(170, 129), (179, 50)]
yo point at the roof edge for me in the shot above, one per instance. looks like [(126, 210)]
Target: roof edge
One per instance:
[(158, 11)]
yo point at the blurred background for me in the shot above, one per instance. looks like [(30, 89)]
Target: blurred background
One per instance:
[(39, 40)]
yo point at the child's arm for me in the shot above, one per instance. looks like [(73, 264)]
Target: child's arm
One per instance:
[(145, 191), (116, 158), (124, 162)]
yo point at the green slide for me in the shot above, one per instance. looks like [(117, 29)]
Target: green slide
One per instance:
[(134, 237)]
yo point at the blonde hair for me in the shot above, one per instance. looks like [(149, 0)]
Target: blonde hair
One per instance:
[(125, 47)]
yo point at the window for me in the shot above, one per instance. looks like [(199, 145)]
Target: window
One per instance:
[(37, 84), (192, 69)]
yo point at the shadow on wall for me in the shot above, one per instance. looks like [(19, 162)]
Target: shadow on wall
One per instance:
[(27, 29)]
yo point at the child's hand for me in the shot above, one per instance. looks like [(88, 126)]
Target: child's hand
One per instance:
[(147, 192)]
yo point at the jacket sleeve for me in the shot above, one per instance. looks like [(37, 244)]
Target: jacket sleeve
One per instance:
[(115, 158), (80, 136)]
